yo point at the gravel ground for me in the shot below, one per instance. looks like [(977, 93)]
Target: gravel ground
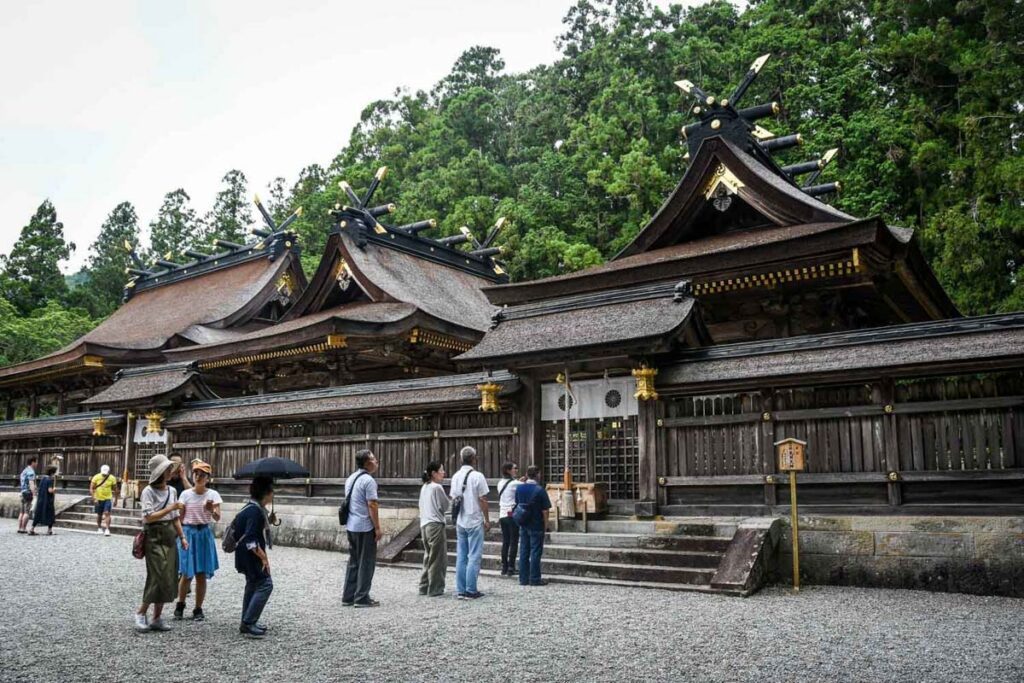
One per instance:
[(66, 604)]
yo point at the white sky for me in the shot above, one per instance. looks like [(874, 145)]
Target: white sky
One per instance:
[(110, 101)]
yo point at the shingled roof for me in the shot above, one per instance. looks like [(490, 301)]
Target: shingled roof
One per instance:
[(151, 386), (640, 320), (77, 423)]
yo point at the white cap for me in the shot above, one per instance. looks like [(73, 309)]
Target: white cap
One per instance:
[(105, 469)]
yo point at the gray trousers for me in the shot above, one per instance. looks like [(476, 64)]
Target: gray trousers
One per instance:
[(362, 560), (435, 558)]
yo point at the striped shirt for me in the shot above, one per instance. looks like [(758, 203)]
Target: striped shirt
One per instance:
[(195, 506)]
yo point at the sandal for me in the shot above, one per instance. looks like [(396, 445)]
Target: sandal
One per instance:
[(32, 533)]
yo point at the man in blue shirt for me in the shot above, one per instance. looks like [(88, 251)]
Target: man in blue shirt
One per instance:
[(534, 499), (364, 532), (28, 492), (251, 527)]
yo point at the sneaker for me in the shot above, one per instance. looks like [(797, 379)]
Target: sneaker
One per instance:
[(99, 530), (159, 625), (179, 611), (347, 603), (106, 532), (542, 582), (461, 596), (262, 627), (141, 625), (370, 602), (197, 614), (252, 631), (475, 595)]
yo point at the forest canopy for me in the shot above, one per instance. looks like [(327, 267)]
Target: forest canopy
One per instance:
[(924, 101)]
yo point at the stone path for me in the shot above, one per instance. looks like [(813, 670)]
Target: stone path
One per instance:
[(66, 603)]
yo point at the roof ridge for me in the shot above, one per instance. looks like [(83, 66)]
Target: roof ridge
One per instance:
[(678, 290)]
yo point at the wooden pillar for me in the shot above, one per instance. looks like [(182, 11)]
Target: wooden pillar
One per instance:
[(33, 406), (647, 442), (662, 453), (9, 410), (531, 431), (435, 441), (61, 407), (768, 445), (885, 393)]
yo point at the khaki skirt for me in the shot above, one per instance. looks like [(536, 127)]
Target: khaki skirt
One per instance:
[(161, 564)]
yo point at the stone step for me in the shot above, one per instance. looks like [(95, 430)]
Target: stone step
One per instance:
[(671, 527), (711, 544), (603, 570), (89, 513), (90, 527), (635, 556), (583, 580)]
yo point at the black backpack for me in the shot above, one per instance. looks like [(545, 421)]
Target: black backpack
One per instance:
[(457, 500), (229, 541), (343, 508)]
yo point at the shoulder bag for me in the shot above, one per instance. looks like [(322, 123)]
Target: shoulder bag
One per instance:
[(343, 508), (457, 500), (139, 544)]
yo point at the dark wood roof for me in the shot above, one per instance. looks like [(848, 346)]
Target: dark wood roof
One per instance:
[(387, 274), (136, 332), (355, 398), (151, 386), (78, 423), (938, 347), (642, 320)]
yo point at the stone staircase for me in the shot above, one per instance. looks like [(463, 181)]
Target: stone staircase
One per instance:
[(681, 555), (81, 517)]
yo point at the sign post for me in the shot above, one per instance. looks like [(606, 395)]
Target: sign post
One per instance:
[(791, 460)]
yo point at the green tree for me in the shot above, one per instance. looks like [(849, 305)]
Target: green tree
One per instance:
[(30, 275), (45, 330), (108, 259), (175, 227), (231, 215)]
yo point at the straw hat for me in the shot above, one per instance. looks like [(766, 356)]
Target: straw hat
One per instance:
[(158, 464)]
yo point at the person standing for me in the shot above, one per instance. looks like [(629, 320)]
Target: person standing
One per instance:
[(45, 508), (27, 479), (469, 488), (509, 528), (534, 499), (199, 558), (179, 478), (103, 490), (364, 531), (252, 529), (160, 508), (433, 505)]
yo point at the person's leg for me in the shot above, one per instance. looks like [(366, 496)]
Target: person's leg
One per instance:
[(475, 554), (107, 514), (514, 546), (461, 555), (200, 590), (99, 516), (367, 565), (524, 557), (183, 583), (352, 570), (250, 587), (425, 538), (158, 609), (506, 542), (438, 558), (536, 551), (261, 593)]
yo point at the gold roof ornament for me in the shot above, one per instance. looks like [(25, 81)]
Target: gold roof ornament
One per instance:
[(154, 421), (489, 397), (724, 177), (645, 390), (285, 284), (99, 426)]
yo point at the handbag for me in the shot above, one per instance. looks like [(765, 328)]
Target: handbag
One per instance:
[(457, 500), (139, 543), (343, 508), (521, 512)]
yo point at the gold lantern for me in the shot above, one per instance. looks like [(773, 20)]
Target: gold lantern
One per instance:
[(155, 418), (99, 426), (645, 383), (488, 397)]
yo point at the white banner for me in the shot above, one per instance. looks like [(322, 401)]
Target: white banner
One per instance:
[(603, 398), (143, 435)]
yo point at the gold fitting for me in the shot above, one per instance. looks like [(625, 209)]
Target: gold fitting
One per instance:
[(716, 124), (888, 407), (256, 199), (336, 341), (839, 186), (154, 421), (92, 361), (775, 109), (710, 100), (645, 390), (697, 110), (799, 139), (99, 426), (766, 417), (488, 397), (725, 103), (769, 479), (381, 173), (391, 208), (298, 211), (662, 481), (894, 476)]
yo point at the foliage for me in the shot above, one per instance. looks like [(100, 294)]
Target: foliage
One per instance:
[(231, 215), (175, 228), (108, 259), (29, 275), (43, 331)]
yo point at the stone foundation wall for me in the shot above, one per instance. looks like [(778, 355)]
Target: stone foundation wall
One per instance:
[(979, 555), (10, 502)]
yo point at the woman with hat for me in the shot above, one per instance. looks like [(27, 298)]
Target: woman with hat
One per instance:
[(160, 509), (198, 557)]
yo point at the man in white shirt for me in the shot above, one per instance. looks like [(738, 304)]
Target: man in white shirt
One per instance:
[(470, 524)]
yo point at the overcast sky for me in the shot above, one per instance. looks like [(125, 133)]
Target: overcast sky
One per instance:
[(110, 101)]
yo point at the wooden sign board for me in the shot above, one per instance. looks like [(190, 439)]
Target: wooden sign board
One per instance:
[(791, 455)]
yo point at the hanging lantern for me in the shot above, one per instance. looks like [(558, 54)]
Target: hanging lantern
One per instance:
[(155, 419), (488, 397), (99, 426), (645, 383)]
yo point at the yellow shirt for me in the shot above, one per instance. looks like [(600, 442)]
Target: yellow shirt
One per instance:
[(106, 491)]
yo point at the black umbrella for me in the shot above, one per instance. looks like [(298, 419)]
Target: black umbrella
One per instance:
[(273, 468)]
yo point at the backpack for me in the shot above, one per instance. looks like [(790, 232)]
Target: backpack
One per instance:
[(229, 541), (521, 513), (343, 508)]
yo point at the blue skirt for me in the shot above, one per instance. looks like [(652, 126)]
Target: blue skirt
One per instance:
[(201, 556)]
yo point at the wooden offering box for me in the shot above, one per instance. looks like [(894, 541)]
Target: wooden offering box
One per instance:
[(594, 496)]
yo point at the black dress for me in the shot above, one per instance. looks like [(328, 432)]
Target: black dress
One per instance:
[(45, 508)]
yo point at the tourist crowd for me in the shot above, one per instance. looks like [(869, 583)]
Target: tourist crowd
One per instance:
[(179, 509)]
